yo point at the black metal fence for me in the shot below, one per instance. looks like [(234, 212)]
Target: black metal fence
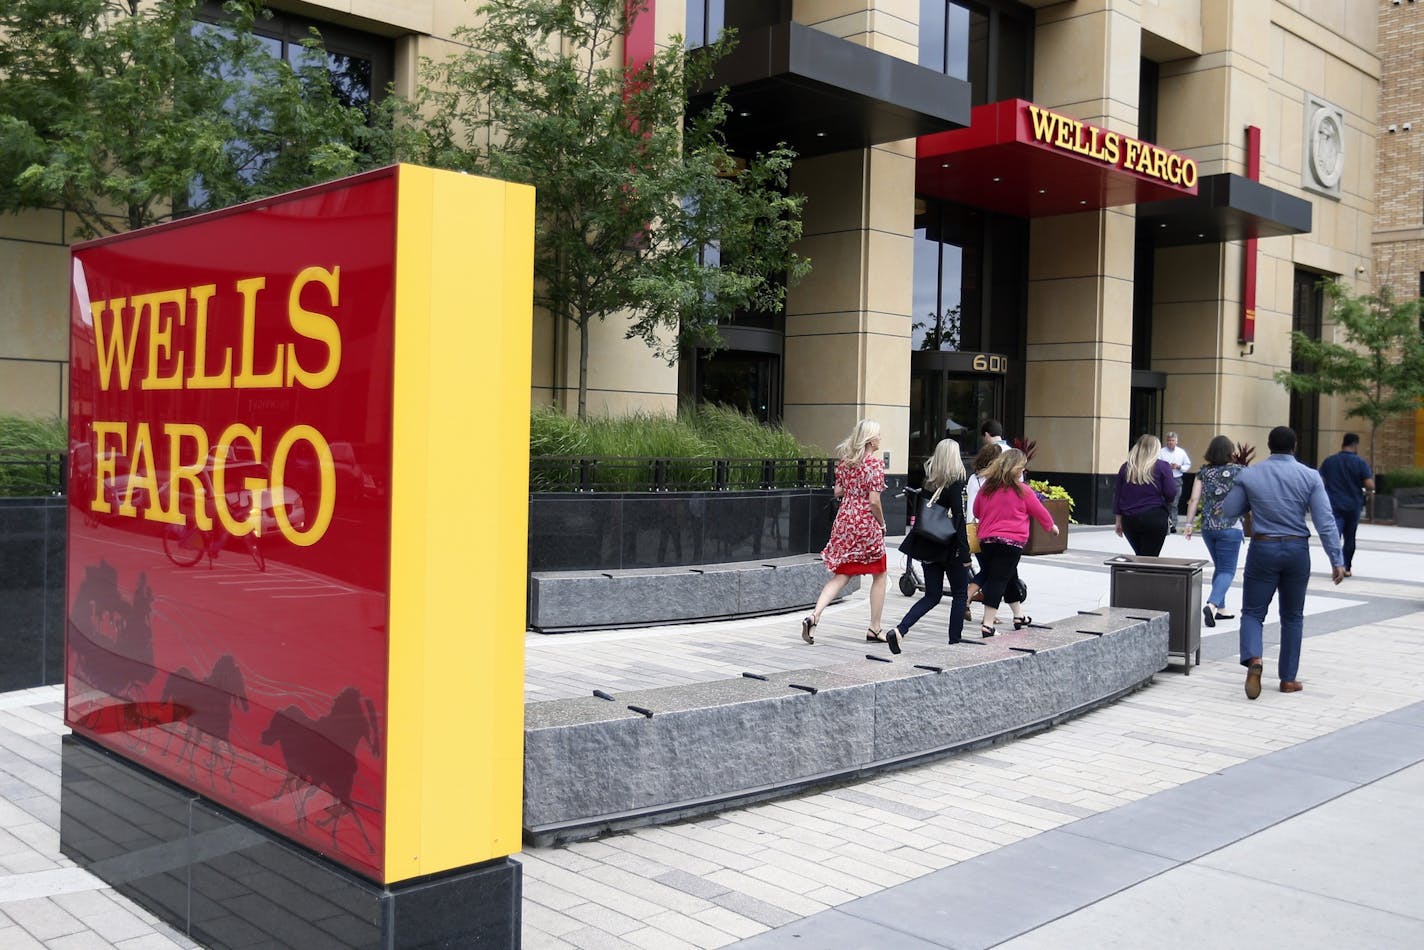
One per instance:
[(566, 473), (32, 473)]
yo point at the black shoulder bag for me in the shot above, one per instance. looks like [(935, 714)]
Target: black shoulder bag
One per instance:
[(933, 522)]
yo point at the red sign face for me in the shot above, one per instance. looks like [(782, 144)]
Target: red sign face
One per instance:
[(230, 435)]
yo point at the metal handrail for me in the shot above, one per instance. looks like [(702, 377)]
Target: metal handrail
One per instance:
[(32, 472)]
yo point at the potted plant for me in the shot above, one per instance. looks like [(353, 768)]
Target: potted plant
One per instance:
[(1242, 456), (1059, 504)]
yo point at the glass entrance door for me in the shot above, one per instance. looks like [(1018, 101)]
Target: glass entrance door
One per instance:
[(951, 394)]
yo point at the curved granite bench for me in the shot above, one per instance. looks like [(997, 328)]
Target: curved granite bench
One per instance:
[(562, 601), (593, 765)]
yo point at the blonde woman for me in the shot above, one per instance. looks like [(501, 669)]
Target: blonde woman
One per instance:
[(857, 542), (944, 486), (1004, 506), (1144, 490)]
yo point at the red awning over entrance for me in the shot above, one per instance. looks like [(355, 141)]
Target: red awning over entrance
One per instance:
[(1021, 159)]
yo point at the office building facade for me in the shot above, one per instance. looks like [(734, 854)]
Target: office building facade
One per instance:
[(1090, 219)]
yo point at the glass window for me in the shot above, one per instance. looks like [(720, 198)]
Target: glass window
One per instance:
[(359, 66), (1307, 317), (936, 323), (967, 402), (984, 42), (706, 19), (1148, 83), (748, 381), (1011, 75), (933, 15), (969, 279), (976, 56)]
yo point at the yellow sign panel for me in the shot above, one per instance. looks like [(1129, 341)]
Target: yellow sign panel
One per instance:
[(459, 521)]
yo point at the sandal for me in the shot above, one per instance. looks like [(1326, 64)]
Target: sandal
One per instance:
[(985, 631), (874, 636), (1024, 621), (807, 625), (893, 637)]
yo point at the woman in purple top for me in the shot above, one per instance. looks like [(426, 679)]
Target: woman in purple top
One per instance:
[(1144, 490)]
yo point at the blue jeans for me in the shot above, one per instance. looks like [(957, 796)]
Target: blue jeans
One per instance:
[(934, 592), (1347, 522), (1225, 548), (1273, 566)]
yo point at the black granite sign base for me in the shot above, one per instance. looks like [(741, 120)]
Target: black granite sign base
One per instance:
[(227, 883)]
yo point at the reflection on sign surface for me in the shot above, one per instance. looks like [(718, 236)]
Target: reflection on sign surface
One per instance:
[(230, 438)]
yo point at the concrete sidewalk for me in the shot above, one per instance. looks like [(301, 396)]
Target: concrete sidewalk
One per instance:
[(1180, 816)]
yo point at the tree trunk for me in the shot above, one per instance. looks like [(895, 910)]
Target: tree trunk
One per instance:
[(1370, 498), (583, 368)]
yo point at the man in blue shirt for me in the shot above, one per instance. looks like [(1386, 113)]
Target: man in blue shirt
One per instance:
[(1348, 481), (1278, 492)]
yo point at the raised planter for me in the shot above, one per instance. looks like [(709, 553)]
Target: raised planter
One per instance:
[(609, 761), (1043, 542), (1409, 516), (602, 531), (32, 599), (561, 601)]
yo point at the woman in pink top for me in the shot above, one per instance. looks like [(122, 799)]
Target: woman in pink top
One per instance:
[(1003, 506)]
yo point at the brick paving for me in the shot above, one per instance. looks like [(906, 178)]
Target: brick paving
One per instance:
[(714, 881)]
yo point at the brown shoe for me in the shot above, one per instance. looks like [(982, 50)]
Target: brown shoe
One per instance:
[(1253, 678), (1291, 686)]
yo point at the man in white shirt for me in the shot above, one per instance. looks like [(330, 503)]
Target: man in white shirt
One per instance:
[(1175, 456), (992, 433)]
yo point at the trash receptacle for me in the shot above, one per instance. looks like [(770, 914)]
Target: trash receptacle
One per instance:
[(1172, 584)]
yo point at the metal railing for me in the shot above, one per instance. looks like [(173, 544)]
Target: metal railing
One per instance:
[(32, 472), (568, 473)]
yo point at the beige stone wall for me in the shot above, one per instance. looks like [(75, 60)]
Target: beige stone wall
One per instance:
[(1399, 190), (888, 26), (1224, 65), (1320, 47), (34, 257), (34, 313), (1079, 340), (847, 351), (1258, 63)]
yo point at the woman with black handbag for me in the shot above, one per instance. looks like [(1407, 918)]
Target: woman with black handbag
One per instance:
[(938, 540)]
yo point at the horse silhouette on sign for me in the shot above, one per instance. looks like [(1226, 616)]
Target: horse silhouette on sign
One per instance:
[(320, 755), (112, 642), (203, 710)]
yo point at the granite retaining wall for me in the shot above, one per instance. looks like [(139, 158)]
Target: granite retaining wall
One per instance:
[(592, 765), (32, 551), (582, 600)]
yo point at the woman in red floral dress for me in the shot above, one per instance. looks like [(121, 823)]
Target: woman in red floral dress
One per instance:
[(857, 542)]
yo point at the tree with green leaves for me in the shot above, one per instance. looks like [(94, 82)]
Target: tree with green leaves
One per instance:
[(1379, 369), (125, 114), (640, 208)]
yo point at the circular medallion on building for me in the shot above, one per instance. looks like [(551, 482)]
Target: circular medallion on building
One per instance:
[(1327, 147)]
